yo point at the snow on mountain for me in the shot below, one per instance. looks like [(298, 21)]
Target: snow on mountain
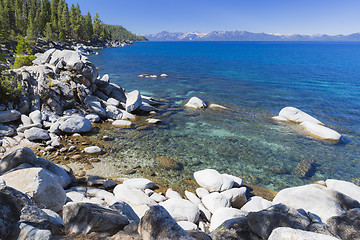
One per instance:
[(246, 36)]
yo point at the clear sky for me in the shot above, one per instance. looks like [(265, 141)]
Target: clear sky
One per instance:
[(268, 16)]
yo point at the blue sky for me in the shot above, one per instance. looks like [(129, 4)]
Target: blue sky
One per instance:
[(269, 16)]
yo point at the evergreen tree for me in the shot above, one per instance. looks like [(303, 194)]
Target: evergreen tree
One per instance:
[(54, 16), (88, 27), (76, 20), (64, 22), (20, 17), (96, 26), (48, 33), (31, 31), (45, 15), (8, 17)]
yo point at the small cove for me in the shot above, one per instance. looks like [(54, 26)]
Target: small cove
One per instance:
[(255, 80)]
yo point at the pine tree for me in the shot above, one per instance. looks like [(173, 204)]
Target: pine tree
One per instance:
[(54, 16), (45, 15), (8, 17), (76, 21), (31, 29), (48, 33), (96, 26), (88, 27), (65, 26), (20, 18)]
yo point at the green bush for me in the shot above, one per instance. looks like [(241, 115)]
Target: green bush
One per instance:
[(10, 88), (24, 53), (23, 60)]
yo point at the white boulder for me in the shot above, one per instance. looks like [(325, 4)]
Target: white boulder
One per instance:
[(210, 179), (181, 209), (153, 120), (35, 134), (114, 102), (217, 106), (40, 185), (222, 214), (344, 187), (36, 116), (202, 192), (122, 123), (256, 204), (312, 199), (133, 196), (172, 194), (187, 226), (133, 101), (321, 132), (237, 181), (292, 114), (93, 117), (192, 197), (286, 233), (158, 197), (214, 201), (92, 150), (139, 183), (195, 103), (236, 196), (227, 182), (76, 125)]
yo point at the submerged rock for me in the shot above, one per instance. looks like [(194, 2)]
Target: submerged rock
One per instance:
[(305, 168), (169, 163), (217, 106)]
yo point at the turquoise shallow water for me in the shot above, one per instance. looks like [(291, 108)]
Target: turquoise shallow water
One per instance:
[(255, 80)]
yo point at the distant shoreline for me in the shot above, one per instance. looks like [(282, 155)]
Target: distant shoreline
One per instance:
[(248, 36)]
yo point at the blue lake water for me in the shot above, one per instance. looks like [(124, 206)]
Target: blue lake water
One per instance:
[(255, 80)]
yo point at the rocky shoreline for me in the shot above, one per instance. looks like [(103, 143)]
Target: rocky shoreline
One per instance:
[(43, 200), (64, 98)]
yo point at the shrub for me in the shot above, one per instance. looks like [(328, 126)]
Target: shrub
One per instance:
[(24, 53), (10, 88), (23, 60)]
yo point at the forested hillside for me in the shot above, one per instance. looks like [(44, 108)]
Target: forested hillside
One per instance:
[(53, 20), (120, 33)]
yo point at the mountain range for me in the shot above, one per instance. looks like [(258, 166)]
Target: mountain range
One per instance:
[(247, 36)]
